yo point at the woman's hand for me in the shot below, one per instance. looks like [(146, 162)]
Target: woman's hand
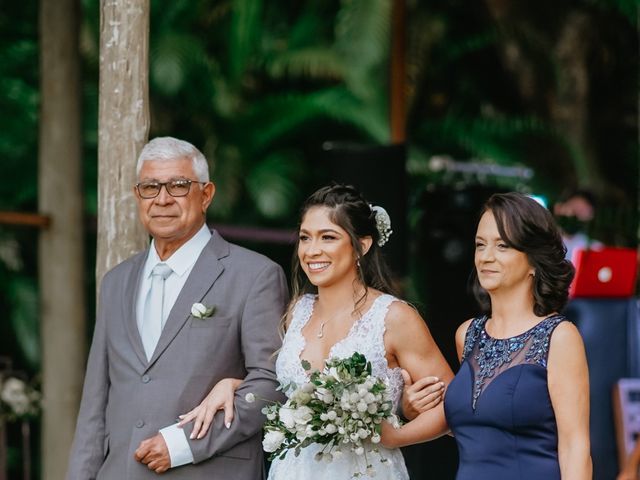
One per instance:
[(628, 474), (387, 435), (631, 465), (220, 398), (420, 396)]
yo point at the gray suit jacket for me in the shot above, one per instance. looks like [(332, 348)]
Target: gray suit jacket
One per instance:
[(127, 399)]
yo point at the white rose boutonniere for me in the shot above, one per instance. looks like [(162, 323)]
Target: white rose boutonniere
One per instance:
[(198, 310)]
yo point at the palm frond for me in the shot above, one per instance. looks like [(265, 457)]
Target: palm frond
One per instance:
[(227, 173), (362, 39), (173, 56), (495, 138), (273, 183), (316, 63), (335, 103), (362, 31), (244, 36)]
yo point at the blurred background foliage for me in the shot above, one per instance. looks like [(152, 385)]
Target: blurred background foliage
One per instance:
[(260, 87)]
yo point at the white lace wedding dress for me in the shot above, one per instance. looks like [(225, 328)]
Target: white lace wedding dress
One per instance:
[(366, 337)]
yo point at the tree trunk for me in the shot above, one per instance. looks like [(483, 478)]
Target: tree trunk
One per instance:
[(398, 80), (570, 105), (123, 127), (61, 250)]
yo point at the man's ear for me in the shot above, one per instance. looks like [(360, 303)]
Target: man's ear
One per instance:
[(208, 192), (365, 243)]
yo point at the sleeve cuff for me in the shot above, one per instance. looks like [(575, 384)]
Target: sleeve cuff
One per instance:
[(177, 444)]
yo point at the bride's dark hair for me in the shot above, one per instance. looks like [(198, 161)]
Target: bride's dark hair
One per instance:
[(349, 210)]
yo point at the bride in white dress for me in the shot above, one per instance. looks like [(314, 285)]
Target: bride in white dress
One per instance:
[(343, 303)]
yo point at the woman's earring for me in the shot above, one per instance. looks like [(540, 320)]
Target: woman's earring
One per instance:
[(358, 262)]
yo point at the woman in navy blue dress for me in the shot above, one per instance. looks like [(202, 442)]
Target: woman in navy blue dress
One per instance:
[(519, 405)]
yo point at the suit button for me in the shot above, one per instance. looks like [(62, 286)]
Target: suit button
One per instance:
[(139, 424), (145, 379)]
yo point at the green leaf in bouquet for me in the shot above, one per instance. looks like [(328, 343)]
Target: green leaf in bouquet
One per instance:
[(305, 365), (285, 387)]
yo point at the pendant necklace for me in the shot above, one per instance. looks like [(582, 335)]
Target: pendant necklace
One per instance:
[(320, 333)]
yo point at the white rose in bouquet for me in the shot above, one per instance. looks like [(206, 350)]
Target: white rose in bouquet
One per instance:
[(272, 441), (302, 415), (287, 417)]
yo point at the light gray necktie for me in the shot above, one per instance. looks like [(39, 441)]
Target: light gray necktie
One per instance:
[(154, 316)]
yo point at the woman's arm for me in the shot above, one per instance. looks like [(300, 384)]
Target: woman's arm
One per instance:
[(427, 425), (427, 392), (409, 342), (219, 398), (630, 468), (568, 379)]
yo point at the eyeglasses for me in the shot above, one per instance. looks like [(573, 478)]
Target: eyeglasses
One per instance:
[(176, 188)]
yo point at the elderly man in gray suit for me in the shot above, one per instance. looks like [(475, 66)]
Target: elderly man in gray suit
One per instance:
[(156, 353)]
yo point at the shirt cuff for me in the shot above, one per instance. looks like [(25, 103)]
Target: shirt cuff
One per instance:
[(177, 444)]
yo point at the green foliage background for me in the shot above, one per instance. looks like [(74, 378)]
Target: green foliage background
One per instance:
[(260, 85)]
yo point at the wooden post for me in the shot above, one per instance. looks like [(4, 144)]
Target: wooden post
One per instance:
[(398, 82), (123, 127), (25, 429), (61, 246), (3, 449)]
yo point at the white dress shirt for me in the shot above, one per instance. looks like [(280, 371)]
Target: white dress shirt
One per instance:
[(181, 262)]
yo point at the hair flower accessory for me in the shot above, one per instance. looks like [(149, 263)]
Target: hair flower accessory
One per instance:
[(383, 224)]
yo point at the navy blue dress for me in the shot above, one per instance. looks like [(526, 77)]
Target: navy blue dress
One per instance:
[(499, 409)]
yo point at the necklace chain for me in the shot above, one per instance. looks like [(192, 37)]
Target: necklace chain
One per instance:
[(320, 333)]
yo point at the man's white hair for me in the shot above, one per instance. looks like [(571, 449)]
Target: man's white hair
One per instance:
[(168, 148)]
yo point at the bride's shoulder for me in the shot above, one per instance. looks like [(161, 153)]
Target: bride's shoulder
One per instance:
[(303, 301), (299, 307), (402, 314)]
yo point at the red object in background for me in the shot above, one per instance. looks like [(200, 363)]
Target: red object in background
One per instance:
[(607, 272)]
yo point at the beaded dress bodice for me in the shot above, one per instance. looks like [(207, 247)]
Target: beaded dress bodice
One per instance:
[(489, 356), (499, 408), (366, 337)]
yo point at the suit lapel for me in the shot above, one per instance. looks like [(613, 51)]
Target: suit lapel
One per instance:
[(205, 272), (130, 306)]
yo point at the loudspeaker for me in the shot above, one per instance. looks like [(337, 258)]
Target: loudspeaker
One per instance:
[(604, 325)]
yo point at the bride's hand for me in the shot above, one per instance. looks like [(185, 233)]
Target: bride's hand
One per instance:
[(388, 435), (420, 396), (220, 398)]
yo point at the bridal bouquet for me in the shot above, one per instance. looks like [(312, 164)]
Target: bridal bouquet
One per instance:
[(341, 408)]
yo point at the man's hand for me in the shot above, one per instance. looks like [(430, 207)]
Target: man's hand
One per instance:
[(153, 452)]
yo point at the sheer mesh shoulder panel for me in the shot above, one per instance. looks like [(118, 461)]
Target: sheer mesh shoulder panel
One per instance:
[(489, 357)]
